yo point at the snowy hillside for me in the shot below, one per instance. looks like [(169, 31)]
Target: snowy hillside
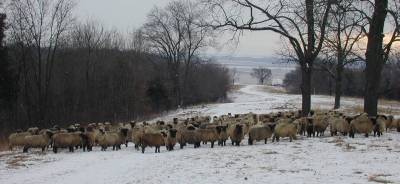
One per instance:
[(306, 160)]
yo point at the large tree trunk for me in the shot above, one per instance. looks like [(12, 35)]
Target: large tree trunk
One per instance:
[(306, 90), (374, 57), (338, 80), (338, 88)]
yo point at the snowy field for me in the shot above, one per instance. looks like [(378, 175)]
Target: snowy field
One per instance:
[(306, 160)]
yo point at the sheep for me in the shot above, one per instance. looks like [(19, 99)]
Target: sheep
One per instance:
[(209, 134), (361, 124), (91, 135), (152, 140), (170, 139), (380, 125), (188, 135), (129, 138), (397, 124), (17, 139), (222, 135), (390, 123), (38, 141), (258, 133), (310, 128), (33, 130), (236, 134), (114, 139), (68, 140), (320, 124), (285, 129), (137, 133), (302, 125), (341, 125)]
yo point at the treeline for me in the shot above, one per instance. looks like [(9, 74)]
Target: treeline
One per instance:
[(63, 71), (353, 82)]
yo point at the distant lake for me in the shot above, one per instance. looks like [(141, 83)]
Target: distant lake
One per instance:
[(244, 67)]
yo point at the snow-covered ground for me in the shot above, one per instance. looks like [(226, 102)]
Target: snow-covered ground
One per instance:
[(306, 160)]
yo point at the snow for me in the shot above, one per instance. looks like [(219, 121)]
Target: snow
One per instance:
[(312, 160)]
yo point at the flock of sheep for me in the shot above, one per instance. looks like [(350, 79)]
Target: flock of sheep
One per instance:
[(201, 130)]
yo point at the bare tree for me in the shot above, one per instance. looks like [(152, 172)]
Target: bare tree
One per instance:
[(378, 13), (301, 23), (234, 75), (343, 34), (177, 34), (263, 75), (39, 26)]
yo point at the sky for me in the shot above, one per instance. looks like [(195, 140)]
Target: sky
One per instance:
[(128, 14)]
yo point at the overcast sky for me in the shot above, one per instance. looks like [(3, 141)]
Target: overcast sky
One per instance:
[(127, 14)]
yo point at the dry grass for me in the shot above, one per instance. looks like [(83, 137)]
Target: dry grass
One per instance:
[(382, 110), (236, 87), (17, 161), (376, 178)]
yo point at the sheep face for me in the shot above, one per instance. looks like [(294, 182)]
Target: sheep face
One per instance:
[(172, 133), (272, 126), (238, 129), (124, 132)]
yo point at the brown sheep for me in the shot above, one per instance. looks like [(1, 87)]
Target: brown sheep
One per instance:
[(152, 140), (362, 124), (302, 125), (170, 139), (17, 139), (222, 135), (285, 129), (310, 128), (236, 133), (320, 124), (33, 130), (390, 123), (380, 125), (258, 133), (137, 133), (339, 124), (38, 141), (188, 136), (114, 139), (68, 140), (209, 135)]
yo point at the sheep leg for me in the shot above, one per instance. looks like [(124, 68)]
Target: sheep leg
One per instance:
[(181, 146), (54, 149), (250, 141), (143, 148), (265, 141), (44, 148), (25, 150), (290, 139), (212, 144), (366, 135)]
